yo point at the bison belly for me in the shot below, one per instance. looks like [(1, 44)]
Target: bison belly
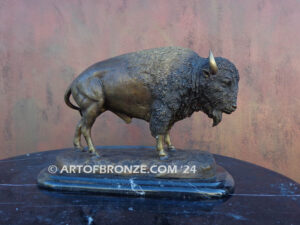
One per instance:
[(127, 95)]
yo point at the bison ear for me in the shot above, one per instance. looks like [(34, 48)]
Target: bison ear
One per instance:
[(206, 73)]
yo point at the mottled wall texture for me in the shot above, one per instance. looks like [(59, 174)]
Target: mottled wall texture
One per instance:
[(44, 45)]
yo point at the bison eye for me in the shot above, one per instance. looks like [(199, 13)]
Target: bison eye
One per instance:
[(227, 82)]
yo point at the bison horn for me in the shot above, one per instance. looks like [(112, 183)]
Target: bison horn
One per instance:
[(212, 63)]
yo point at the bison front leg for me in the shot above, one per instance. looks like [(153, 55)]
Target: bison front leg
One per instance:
[(168, 142), (159, 126), (160, 147)]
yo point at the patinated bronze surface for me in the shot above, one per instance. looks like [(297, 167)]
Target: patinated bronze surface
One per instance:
[(161, 86)]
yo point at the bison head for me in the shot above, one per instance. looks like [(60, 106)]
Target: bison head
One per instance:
[(220, 89)]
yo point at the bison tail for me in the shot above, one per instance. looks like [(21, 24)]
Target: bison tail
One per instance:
[(68, 102)]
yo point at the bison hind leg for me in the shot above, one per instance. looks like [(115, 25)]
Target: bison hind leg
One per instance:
[(88, 118), (77, 137)]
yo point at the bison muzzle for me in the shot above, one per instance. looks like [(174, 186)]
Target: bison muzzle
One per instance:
[(161, 86)]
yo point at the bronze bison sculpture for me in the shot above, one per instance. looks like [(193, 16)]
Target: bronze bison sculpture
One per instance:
[(160, 85)]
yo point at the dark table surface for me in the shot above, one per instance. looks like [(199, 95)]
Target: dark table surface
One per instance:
[(261, 197)]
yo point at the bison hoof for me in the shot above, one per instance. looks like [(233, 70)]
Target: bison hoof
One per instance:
[(78, 148), (171, 148), (95, 156), (84, 150), (163, 157), (92, 151)]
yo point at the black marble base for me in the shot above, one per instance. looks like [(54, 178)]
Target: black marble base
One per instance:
[(205, 181), (261, 197), (219, 187)]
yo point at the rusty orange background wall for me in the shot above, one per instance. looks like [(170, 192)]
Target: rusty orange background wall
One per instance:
[(45, 44)]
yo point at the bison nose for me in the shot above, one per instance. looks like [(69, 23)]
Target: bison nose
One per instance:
[(234, 106)]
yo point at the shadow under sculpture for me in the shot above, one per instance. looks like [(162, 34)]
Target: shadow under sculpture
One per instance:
[(160, 86)]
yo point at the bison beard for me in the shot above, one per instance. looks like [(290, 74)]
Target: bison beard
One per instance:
[(214, 114), (217, 117)]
